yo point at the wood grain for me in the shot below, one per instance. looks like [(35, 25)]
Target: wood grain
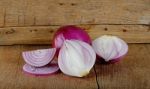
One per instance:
[(131, 73), (44, 34), (60, 12), (9, 57), (12, 77)]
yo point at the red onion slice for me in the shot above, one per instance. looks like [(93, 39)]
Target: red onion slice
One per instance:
[(40, 71), (40, 57)]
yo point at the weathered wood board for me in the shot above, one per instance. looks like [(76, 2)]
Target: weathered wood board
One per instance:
[(128, 19), (44, 34), (60, 12)]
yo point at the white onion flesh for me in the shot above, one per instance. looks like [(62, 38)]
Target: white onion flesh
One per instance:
[(39, 57), (110, 47), (76, 58)]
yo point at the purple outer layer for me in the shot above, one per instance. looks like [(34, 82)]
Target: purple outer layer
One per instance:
[(117, 59), (41, 75), (111, 61), (37, 75), (71, 32)]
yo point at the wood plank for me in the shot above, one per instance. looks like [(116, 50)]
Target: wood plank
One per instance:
[(9, 57), (60, 12), (12, 77), (131, 73), (2, 15), (26, 35), (44, 34)]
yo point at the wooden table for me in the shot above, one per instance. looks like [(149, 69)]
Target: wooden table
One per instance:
[(131, 73)]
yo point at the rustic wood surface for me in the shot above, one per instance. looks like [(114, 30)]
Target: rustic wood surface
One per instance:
[(35, 21), (44, 34), (60, 12), (131, 73)]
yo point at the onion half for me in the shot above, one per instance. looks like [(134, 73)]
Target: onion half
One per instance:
[(76, 58), (39, 57), (110, 48)]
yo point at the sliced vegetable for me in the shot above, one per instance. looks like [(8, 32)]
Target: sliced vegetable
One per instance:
[(110, 48), (40, 71), (76, 58), (39, 57)]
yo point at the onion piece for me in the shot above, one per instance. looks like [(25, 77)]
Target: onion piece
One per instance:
[(39, 57), (76, 58), (40, 71), (70, 32), (110, 48)]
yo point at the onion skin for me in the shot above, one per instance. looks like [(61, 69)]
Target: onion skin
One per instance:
[(69, 32)]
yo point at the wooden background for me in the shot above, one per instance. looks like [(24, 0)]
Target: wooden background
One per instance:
[(35, 21)]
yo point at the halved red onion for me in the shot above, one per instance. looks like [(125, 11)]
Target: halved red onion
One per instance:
[(70, 32), (39, 57), (40, 71), (76, 58), (110, 48)]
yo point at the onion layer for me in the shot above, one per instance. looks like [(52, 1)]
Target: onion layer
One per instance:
[(40, 57), (40, 71)]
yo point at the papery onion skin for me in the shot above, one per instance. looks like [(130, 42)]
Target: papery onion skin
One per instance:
[(49, 69), (70, 32), (76, 58), (39, 57), (118, 57)]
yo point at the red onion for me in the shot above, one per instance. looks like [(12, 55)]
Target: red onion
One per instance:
[(39, 57), (76, 58), (69, 32), (110, 48), (40, 71)]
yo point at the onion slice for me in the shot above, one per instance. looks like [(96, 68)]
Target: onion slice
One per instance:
[(38, 58), (41, 71)]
